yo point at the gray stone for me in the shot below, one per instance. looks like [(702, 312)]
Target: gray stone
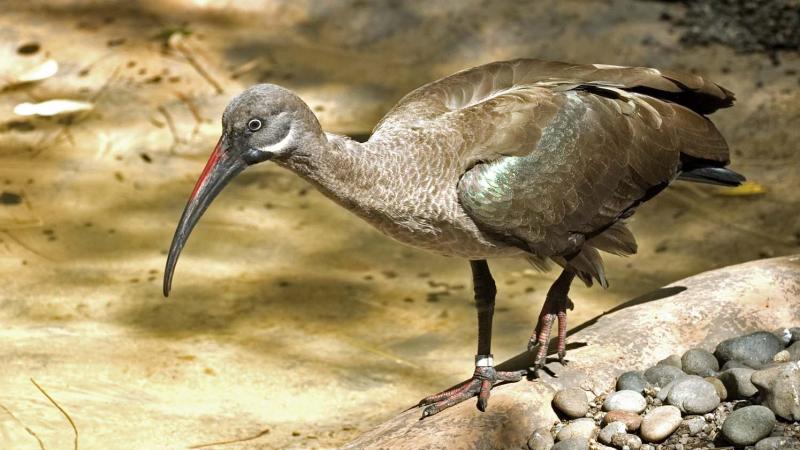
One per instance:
[(631, 381), (671, 360), (784, 334), (610, 430), (579, 428), (699, 362), (719, 386), (572, 444), (663, 393), (662, 375), (659, 423), (733, 364), (541, 439), (760, 347), (748, 425), (624, 440), (695, 425), (778, 443), (779, 386), (630, 401), (794, 351), (795, 334), (737, 383), (572, 402), (693, 395)]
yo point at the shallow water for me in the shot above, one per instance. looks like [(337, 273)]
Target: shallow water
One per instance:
[(288, 314)]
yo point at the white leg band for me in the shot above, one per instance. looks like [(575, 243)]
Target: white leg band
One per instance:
[(484, 361)]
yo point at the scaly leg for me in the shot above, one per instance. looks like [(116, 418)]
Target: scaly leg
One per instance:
[(484, 377), (555, 306)]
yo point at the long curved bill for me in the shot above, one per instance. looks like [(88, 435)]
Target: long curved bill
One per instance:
[(220, 169)]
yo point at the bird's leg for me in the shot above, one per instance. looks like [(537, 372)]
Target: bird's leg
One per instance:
[(555, 306), (484, 377)]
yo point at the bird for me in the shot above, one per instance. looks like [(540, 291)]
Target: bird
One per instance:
[(527, 158)]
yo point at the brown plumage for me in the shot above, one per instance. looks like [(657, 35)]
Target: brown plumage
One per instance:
[(538, 159)]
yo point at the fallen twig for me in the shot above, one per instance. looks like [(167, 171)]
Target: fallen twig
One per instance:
[(233, 441), (31, 432), (69, 419)]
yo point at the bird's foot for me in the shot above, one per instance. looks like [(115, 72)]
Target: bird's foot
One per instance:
[(481, 383), (540, 339)]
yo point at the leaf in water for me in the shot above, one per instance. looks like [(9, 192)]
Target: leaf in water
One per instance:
[(44, 70), (51, 107), (743, 190)]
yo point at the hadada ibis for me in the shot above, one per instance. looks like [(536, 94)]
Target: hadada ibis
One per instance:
[(535, 159)]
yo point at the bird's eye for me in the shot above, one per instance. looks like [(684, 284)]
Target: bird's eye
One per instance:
[(254, 125)]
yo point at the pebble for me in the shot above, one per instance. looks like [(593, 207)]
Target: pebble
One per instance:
[(782, 356), (778, 443), (671, 360), (733, 364), (580, 428), (748, 425), (760, 347), (572, 402), (795, 331), (662, 375), (779, 386), (632, 421), (624, 440), (630, 401), (794, 351), (695, 425), (572, 444), (631, 381), (719, 386), (660, 422), (608, 432), (699, 362), (737, 383), (693, 395), (541, 439)]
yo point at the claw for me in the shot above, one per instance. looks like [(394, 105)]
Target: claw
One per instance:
[(480, 385)]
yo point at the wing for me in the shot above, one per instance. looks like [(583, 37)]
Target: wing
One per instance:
[(556, 155)]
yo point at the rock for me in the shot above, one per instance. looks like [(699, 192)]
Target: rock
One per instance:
[(695, 425), (719, 386), (662, 375), (794, 351), (630, 401), (748, 425), (733, 364), (779, 386), (784, 334), (579, 428), (663, 393), (671, 360), (609, 431), (693, 395), (659, 423), (795, 331), (737, 383), (541, 439), (760, 347), (624, 440), (782, 356), (572, 444), (571, 402), (631, 381), (778, 443), (632, 421), (699, 362)]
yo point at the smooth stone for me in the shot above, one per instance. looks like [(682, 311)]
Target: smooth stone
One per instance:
[(632, 421), (778, 443), (734, 364), (671, 360), (608, 432), (662, 375), (782, 356), (795, 334), (748, 425), (719, 386), (663, 393), (695, 425), (630, 401), (541, 439), (737, 383), (760, 347), (624, 440), (580, 428), (631, 381), (794, 351), (572, 444), (660, 422), (779, 386), (699, 362), (693, 395), (572, 402)]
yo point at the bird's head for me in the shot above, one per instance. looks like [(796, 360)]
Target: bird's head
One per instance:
[(263, 123)]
